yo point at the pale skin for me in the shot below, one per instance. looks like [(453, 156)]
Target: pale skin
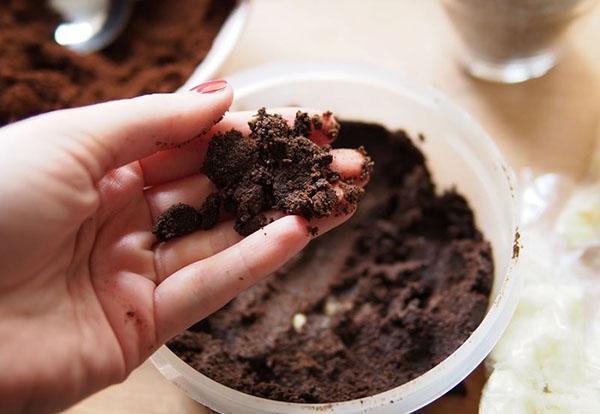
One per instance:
[(86, 292)]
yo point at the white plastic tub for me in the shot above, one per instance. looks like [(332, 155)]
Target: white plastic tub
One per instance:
[(458, 153)]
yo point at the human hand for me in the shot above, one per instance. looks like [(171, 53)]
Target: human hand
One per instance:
[(86, 294)]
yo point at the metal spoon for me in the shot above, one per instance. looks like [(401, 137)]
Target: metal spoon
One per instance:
[(91, 24)]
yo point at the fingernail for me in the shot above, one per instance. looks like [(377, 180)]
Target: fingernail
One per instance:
[(210, 86)]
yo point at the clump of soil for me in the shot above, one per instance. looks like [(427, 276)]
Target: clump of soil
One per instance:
[(178, 219), (365, 308), (158, 51), (276, 167)]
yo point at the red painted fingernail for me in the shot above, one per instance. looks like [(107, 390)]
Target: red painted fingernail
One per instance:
[(210, 86)]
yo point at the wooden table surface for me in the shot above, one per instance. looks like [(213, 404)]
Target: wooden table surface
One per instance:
[(548, 124)]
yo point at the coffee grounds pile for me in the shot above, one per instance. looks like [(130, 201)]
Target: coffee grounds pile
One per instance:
[(157, 52), (276, 167), (364, 308)]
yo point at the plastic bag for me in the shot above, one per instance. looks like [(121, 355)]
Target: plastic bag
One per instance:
[(548, 360)]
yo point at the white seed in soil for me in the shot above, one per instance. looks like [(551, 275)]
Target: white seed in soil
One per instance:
[(298, 322), (332, 306)]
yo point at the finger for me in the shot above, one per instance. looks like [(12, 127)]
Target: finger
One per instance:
[(324, 132), (180, 162), (351, 164), (344, 211), (201, 288), (176, 254), (192, 190), (112, 134)]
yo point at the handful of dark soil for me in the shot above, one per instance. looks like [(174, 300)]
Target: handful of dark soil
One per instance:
[(276, 167)]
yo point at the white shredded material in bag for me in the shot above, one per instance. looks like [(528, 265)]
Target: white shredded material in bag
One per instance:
[(548, 360)]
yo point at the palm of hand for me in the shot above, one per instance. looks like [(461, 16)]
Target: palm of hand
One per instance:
[(85, 294)]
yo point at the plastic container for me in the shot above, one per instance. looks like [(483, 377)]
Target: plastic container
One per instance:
[(458, 153)]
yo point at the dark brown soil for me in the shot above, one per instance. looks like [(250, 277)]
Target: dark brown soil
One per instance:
[(276, 167), (157, 52), (385, 297), (178, 219)]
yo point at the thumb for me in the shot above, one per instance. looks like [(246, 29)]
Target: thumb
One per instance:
[(112, 134)]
